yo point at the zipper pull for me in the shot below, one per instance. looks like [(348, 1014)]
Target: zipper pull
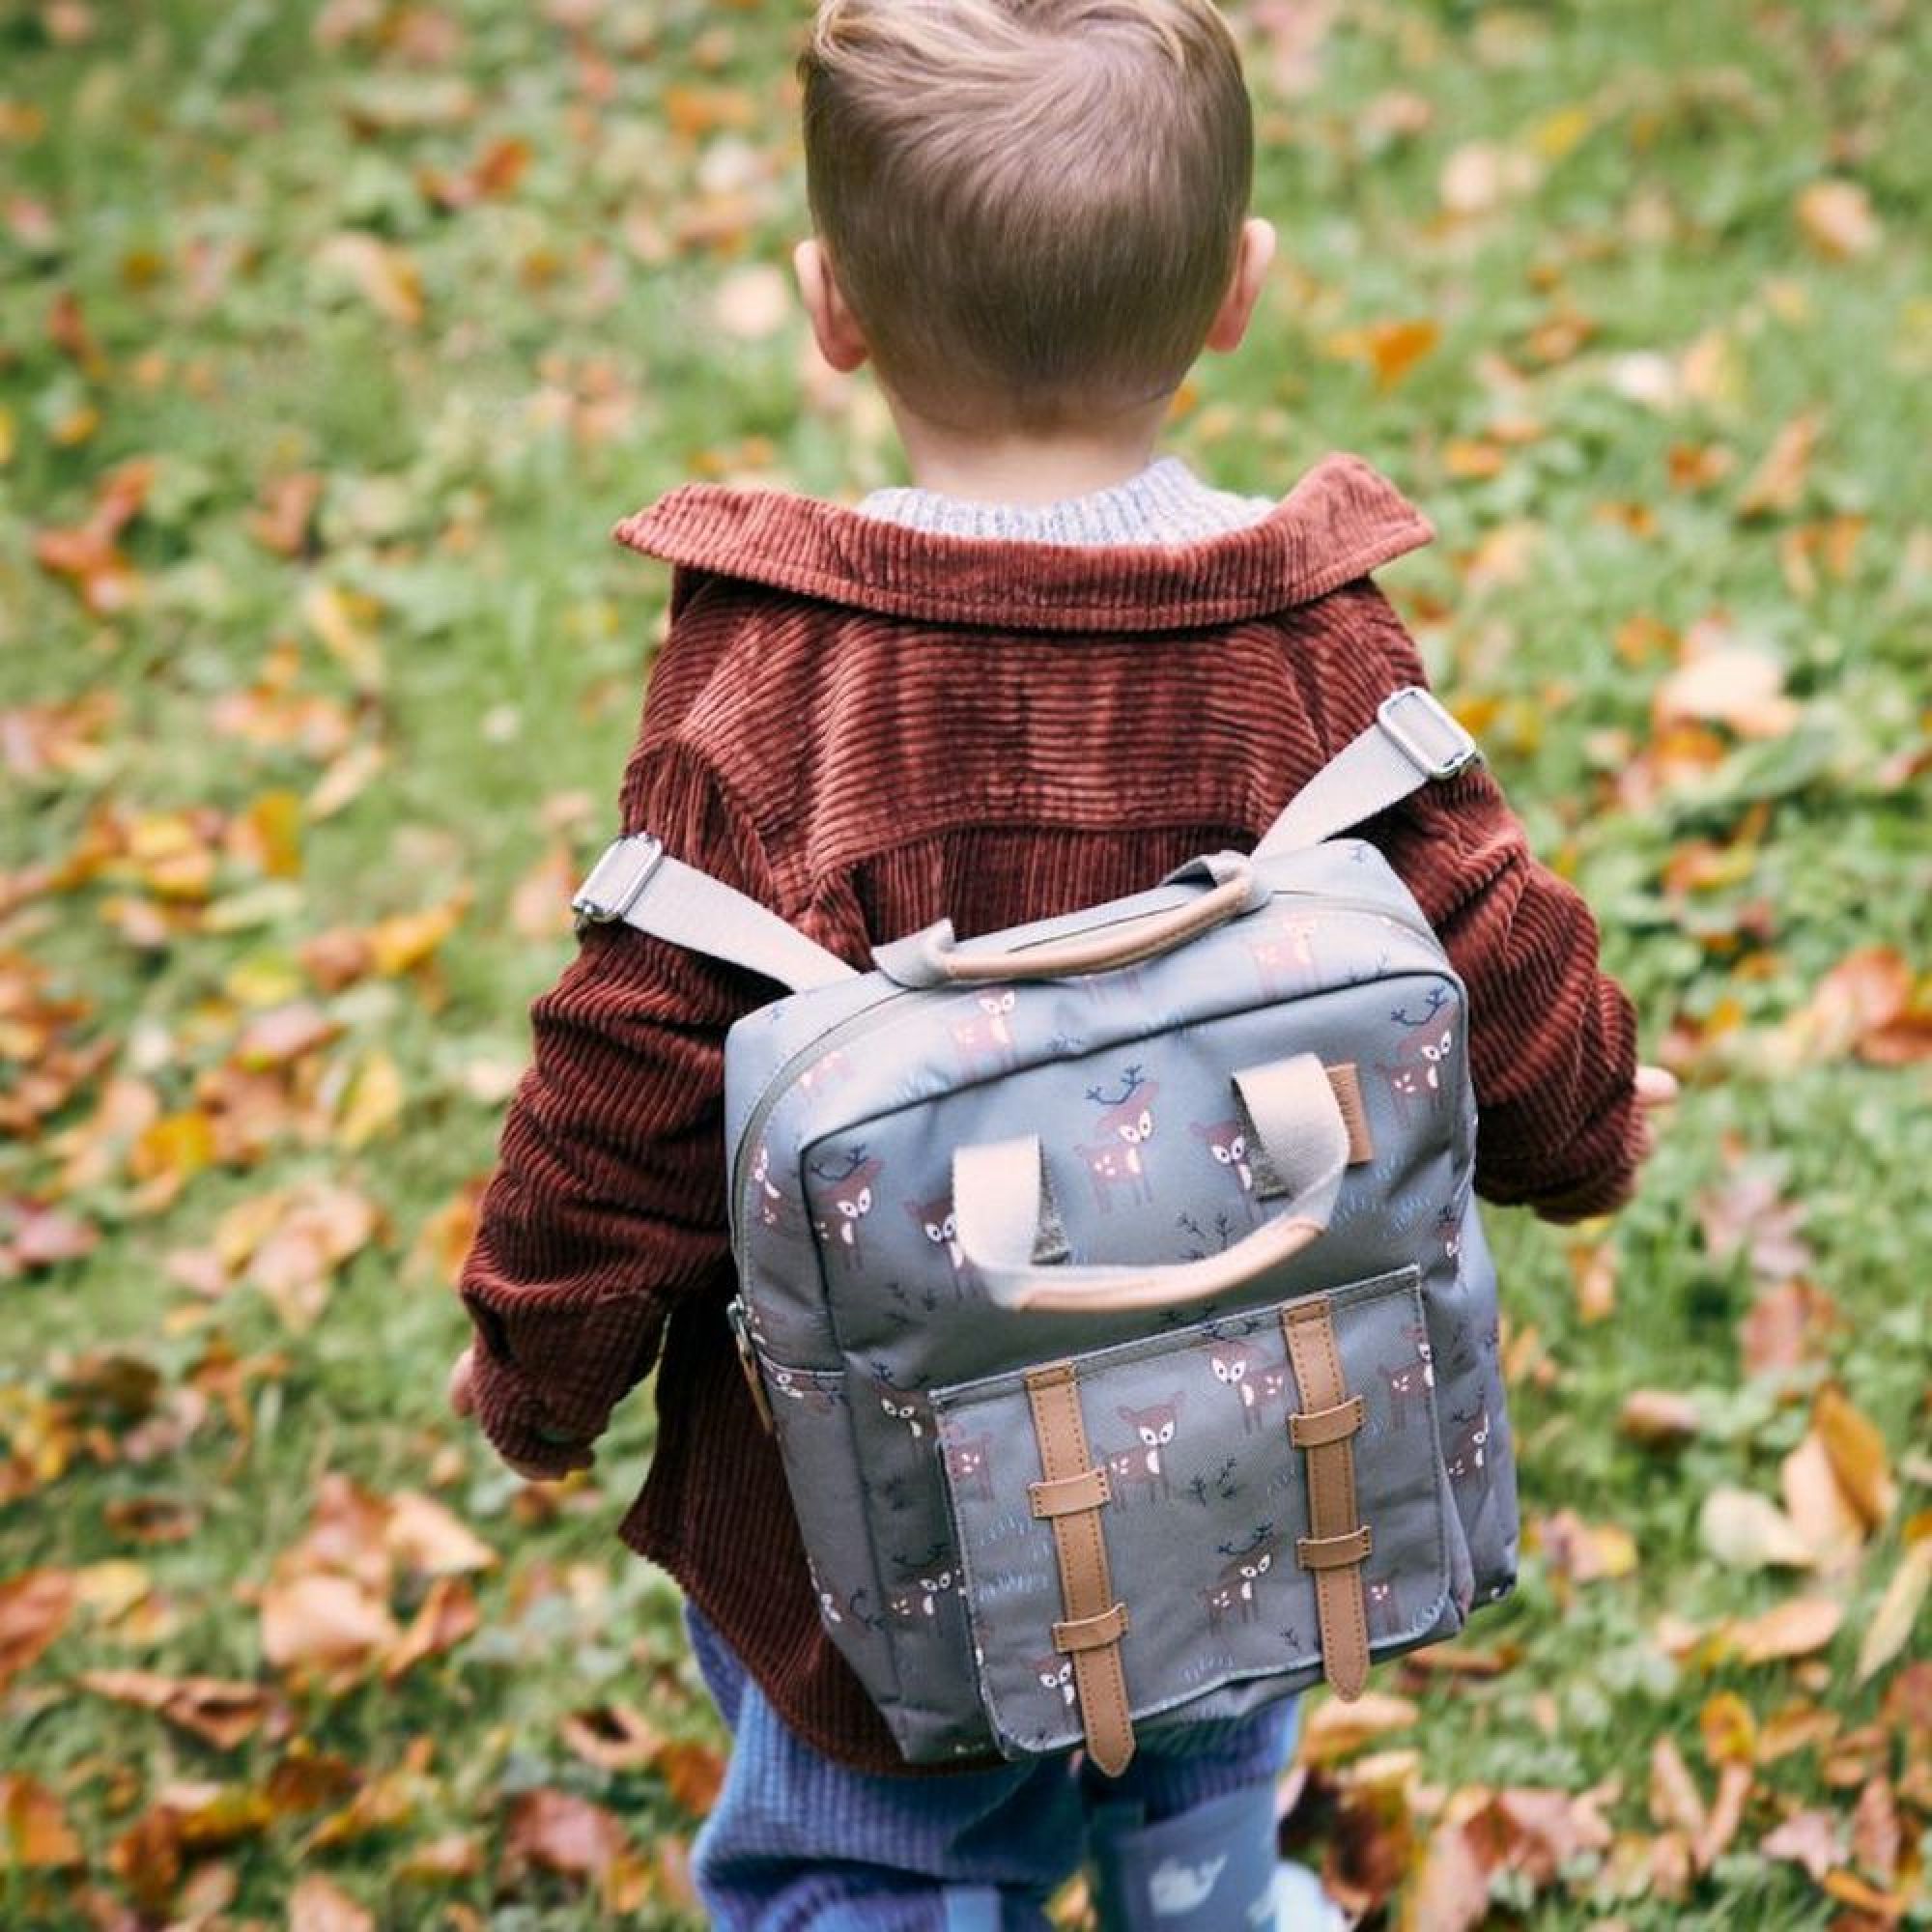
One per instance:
[(741, 1331)]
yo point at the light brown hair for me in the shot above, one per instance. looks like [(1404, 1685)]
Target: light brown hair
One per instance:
[(1032, 208)]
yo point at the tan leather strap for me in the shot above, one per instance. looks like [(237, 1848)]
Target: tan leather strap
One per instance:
[(1087, 1490), (1315, 1428), (1337, 1540), (1094, 1621)]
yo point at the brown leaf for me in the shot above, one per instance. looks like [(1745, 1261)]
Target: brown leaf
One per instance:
[(1335, 1730), (1861, 1005), (1836, 218), (613, 1737), (1593, 1268), (1728, 1729), (1584, 1552), (456, 1854), (33, 1610), (324, 1623), (1658, 1419), (1451, 1892), (147, 1859), (1727, 1810), (1809, 1838), (426, 1536), (318, 1904), (448, 1614), (1747, 1213), (1790, 1324), (540, 902), (223, 1712), (283, 1036), (1795, 1628), (694, 1774), (34, 1832), (1675, 1801), (1876, 1834), (1857, 1456), (558, 1833)]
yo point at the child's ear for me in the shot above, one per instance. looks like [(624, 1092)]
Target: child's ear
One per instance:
[(833, 324), (1252, 261)]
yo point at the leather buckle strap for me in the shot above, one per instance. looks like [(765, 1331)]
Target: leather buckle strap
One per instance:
[(1338, 1540), (1094, 1621), (1310, 1431), (1085, 1490)]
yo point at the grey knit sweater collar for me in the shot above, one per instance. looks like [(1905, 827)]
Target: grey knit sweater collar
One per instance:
[(1166, 504)]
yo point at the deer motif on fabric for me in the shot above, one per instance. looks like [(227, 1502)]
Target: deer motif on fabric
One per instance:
[(1256, 1382), (1141, 1464), (1124, 1127), (1409, 1382), (1227, 1143), (849, 1197), (1232, 1591), (983, 1039), (1415, 1076)]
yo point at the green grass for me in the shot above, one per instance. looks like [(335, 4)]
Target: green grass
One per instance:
[(180, 173)]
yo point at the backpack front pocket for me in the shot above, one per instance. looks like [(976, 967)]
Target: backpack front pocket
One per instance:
[(1134, 1524)]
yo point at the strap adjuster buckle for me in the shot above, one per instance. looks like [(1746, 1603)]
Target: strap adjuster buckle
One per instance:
[(1416, 723), (618, 880)]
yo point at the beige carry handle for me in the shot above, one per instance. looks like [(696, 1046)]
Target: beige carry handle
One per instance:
[(933, 958), (997, 1190)]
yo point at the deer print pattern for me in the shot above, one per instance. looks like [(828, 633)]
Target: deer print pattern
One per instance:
[(1409, 1382), (1415, 1076), (937, 1222), (1284, 954), (848, 1198), (1141, 1465), (983, 1038), (1227, 1144), (1124, 1127), (1257, 1384)]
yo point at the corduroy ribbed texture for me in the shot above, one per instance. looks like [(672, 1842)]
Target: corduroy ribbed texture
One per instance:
[(869, 728)]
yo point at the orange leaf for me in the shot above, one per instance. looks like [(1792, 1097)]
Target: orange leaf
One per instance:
[(318, 1904), (33, 1610), (34, 1832), (1837, 221), (1857, 1451), (223, 1712), (1797, 1629), (1335, 1730)]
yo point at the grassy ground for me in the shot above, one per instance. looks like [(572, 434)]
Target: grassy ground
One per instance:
[(331, 342)]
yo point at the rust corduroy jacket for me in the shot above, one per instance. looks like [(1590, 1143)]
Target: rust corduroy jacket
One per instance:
[(868, 728)]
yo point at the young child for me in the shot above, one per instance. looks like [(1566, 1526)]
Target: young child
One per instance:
[(1040, 678)]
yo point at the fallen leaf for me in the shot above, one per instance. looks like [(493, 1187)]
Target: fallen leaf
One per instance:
[(1789, 1324), (1593, 1269), (382, 272), (324, 1623), (372, 1105), (223, 1712), (1857, 1456), (1585, 1552), (1876, 1836), (1336, 1729), (1898, 1610), (456, 1854), (613, 1737), (1796, 1629), (1747, 1531), (1808, 1838), (694, 1774), (556, 1832), (1836, 218), (33, 1610), (1777, 485), (1736, 685), (1658, 1419), (1820, 1510), (318, 1904), (447, 1615), (424, 1536), (1675, 1801), (35, 1835)]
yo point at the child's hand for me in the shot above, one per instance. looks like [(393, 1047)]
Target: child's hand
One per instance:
[(1656, 1090), (462, 1392)]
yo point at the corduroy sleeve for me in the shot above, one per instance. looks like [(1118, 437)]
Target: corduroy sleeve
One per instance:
[(609, 1198), (1552, 1040)]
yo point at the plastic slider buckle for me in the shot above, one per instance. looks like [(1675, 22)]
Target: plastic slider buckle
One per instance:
[(618, 880), (1415, 722)]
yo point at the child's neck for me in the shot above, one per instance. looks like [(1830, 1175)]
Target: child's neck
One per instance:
[(1011, 467)]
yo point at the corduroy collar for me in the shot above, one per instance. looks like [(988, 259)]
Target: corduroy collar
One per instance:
[(1342, 519)]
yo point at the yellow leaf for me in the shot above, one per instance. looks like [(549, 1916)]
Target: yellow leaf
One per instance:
[(1391, 349), (373, 1104), (1818, 1506), (345, 620), (1558, 133), (408, 939), (1778, 484), (6, 437), (1897, 1612)]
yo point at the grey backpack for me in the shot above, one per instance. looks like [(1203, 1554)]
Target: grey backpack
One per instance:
[(1114, 1284)]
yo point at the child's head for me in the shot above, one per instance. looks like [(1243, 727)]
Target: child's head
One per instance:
[(1030, 213)]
